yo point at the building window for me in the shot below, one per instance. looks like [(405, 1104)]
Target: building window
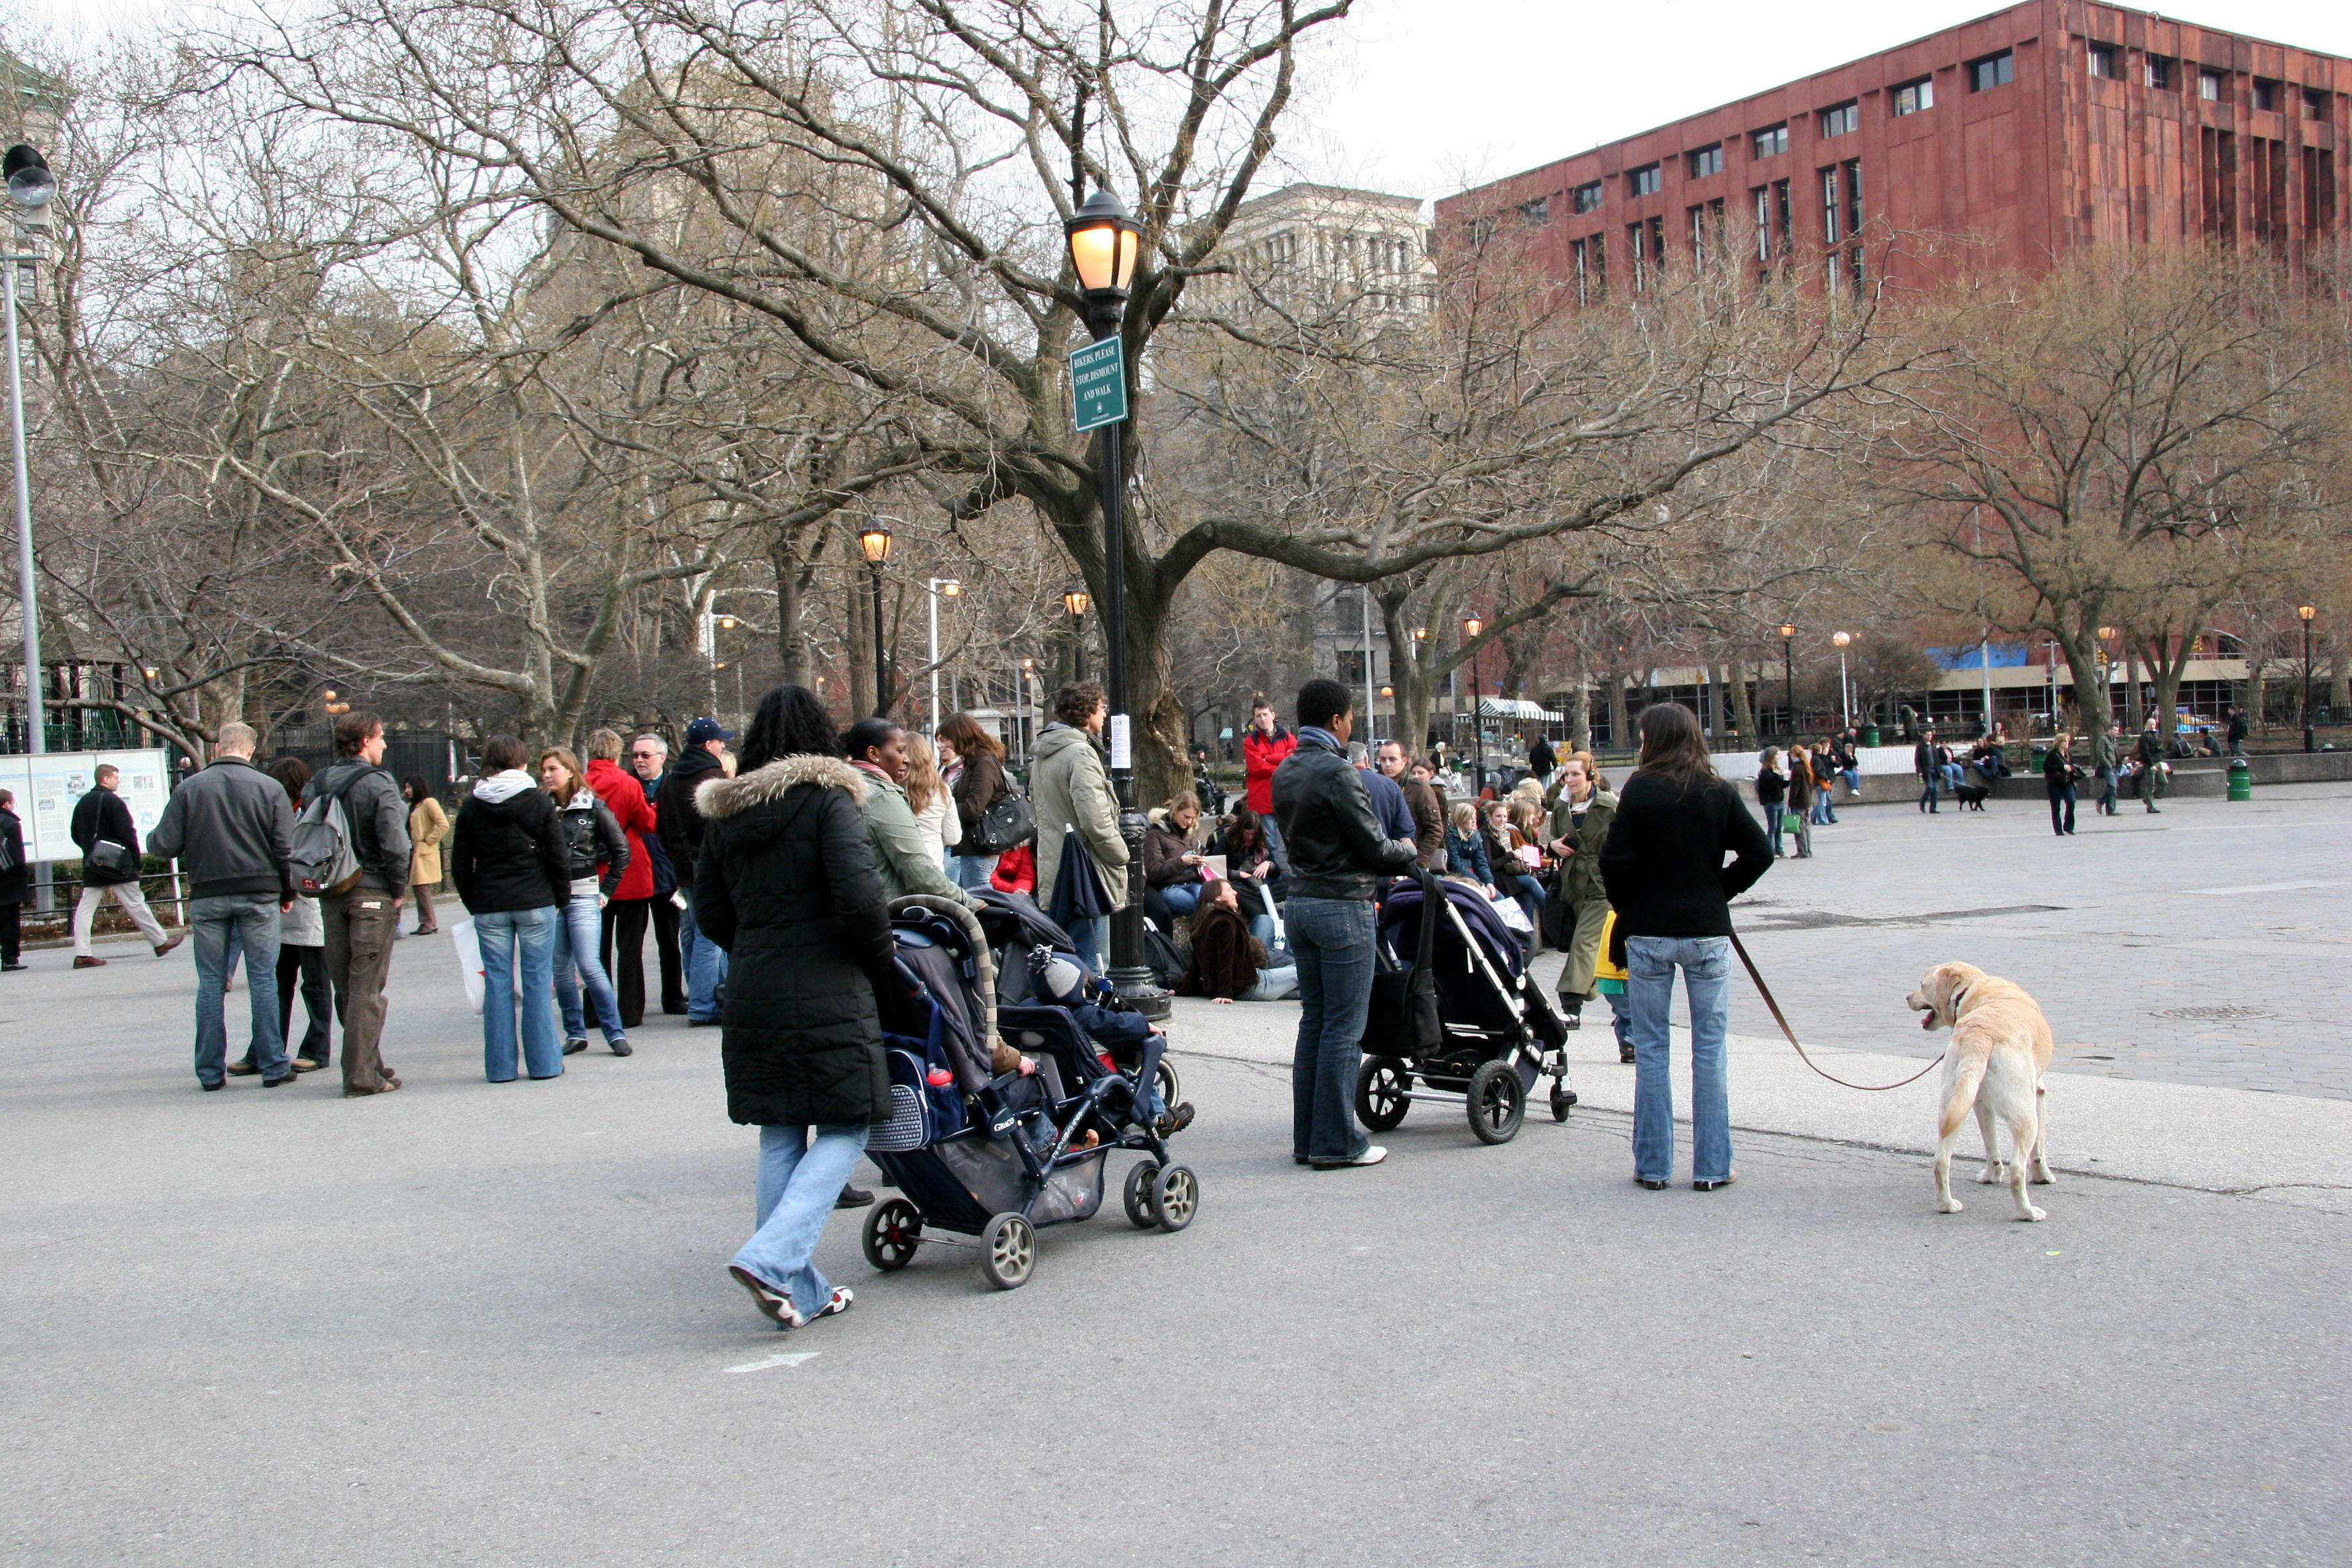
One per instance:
[(1591, 261), (1647, 240), (1992, 72), (1853, 197), (1857, 276), (2314, 104), (1784, 210), (1837, 121), (1482, 229), (1762, 198), (1586, 198), (1773, 142), (1914, 96), (1537, 213), (2266, 94), (1833, 209), (2104, 61), (1706, 229), (1707, 160), (2208, 85), (1282, 250), (1644, 181), (2160, 73)]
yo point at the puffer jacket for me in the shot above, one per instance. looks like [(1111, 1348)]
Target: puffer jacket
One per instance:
[(1069, 786), (1334, 846), (593, 844), (507, 851), (786, 884), (633, 808)]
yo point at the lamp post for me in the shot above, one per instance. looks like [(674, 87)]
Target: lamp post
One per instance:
[(875, 540), (937, 587), (1075, 599), (30, 188), (1471, 627), (2306, 612), (1025, 714), (1389, 692), (1103, 242), (1419, 657), (1789, 672), (1845, 692)]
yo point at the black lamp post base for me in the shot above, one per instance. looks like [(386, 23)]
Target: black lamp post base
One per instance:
[(1138, 992)]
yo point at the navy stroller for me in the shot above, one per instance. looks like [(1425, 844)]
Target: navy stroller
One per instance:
[(1456, 1017), (996, 1156)]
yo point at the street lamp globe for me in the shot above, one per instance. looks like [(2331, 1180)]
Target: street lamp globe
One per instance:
[(2306, 611), (874, 539), (1103, 243), (1787, 630), (951, 587), (1075, 599), (30, 184), (1420, 634), (1843, 639), (1472, 625), (726, 623), (1388, 692)]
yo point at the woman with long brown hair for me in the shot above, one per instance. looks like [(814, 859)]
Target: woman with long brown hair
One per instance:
[(1663, 866), (972, 762)]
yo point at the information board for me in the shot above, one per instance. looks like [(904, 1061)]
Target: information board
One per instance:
[(47, 786)]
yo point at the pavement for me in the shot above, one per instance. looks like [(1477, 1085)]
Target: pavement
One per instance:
[(483, 1324)]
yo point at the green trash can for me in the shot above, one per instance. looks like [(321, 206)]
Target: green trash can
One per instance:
[(2241, 779), (1870, 735)]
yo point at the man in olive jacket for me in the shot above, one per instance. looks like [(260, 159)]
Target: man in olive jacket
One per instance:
[(1069, 787)]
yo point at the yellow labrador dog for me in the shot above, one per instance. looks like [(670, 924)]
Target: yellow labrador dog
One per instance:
[(1999, 1052)]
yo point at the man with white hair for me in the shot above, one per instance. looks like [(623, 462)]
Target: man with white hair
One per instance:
[(231, 828)]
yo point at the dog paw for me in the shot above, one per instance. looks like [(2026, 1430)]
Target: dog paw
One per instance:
[(1993, 1173), (2041, 1177), (2032, 1213), (1949, 1206)]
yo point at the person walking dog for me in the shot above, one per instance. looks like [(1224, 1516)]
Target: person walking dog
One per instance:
[(787, 887), (1664, 871)]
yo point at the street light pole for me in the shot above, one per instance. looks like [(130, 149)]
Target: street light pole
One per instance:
[(875, 540), (1789, 672), (30, 187), (1470, 630), (1103, 245), (935, 587), (1845, 692), (2306, 612)]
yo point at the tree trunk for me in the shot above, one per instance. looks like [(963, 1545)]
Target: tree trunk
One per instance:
[(2257, 697), (1580, 702), (857, 647), (792, 637), (1743, 714), (1621, 732)]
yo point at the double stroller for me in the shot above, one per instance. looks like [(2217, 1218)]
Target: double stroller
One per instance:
[(1456, 1015), (995, 1156)]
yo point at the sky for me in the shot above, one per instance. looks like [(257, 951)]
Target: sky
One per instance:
[(1426, 96)]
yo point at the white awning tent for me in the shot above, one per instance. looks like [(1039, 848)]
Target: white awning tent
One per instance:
[(1518, 707)]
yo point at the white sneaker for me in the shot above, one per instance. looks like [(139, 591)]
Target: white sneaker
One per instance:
[(1372, 1155)]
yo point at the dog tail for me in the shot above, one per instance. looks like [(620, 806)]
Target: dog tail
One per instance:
[(1963, 1096)]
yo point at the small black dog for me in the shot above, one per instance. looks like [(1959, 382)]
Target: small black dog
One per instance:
[(1971, 796)]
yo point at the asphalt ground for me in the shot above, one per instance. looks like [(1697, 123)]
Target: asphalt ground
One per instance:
[(489, 1324)]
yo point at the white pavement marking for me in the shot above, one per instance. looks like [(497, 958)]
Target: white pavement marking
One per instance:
[(2260, 887), (787, 1358)]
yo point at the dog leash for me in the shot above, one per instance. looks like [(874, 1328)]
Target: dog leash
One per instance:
[(1766, 992)]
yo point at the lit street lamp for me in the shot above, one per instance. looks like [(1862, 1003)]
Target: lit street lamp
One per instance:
[(936, 588), (1845, 692), (31, 187), (1789, 672), (2307, 612), (1103, 242), (875, 540), (1471, 627)]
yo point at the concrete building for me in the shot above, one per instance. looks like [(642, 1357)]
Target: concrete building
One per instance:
[(2017, 136), (1323, 247)]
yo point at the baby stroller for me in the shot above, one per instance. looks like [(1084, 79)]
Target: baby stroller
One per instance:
[(995, 1156), (1454, 1007), (1014, 924)]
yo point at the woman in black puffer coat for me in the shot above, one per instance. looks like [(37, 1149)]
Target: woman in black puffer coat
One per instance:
[(786, 885)]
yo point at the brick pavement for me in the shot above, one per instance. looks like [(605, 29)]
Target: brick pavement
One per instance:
[(2208, 944)]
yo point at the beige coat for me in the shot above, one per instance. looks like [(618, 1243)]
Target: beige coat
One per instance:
[(427, 825), (1069, 787)]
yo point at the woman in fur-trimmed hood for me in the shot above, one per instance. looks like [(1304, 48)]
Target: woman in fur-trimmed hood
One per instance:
[(786, 884)]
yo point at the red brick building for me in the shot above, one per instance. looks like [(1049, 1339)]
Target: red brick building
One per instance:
[(2049, 125)]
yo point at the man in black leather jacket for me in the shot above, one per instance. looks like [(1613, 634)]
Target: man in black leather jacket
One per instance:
[(1339, 859)]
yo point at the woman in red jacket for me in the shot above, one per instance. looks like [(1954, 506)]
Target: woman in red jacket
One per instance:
[(632, 900)]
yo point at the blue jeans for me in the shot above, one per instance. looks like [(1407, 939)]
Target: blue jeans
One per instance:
[(1182, 897), (1332, 939), (1927, 781), (706, 966), (223, 926), (1951, 775), (1823, 815), (1773, 827), (799, 1181), (1853, 777), (1093, 938), (577, 937), (971, 872), (1273, 831), (1706, 964), (1262, 928), (503, 933)]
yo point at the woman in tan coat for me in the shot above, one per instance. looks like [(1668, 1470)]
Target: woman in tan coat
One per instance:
[(427, 825)]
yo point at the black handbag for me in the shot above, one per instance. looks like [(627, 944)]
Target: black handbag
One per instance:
[(1006, 825), (115, 860)]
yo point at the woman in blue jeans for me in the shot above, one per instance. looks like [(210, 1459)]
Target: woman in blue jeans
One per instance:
[(786, 884), (593, 843), (1663, 867), (506, 857)]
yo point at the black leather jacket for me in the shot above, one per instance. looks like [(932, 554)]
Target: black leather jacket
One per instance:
[(1334, 843)]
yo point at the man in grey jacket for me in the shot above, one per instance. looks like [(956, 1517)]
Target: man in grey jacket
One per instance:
[(360, 923), (229, 827)]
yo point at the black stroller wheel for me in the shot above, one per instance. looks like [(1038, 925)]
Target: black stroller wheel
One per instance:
[(1498, 1102), (1383, 1093), (1176, 1198), (893, 1231), (1561, 1099), (1142, 1182), (1171, 1088), (1008, 1251)]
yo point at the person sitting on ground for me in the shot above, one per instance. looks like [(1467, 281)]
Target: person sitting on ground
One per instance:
[(1016, 871), (1169, 862), (1250, 867), (1228, 962)]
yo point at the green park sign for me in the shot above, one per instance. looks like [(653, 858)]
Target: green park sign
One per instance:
[(1098, 383)]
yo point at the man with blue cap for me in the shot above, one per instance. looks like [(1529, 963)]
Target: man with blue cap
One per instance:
[(681, 835)]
